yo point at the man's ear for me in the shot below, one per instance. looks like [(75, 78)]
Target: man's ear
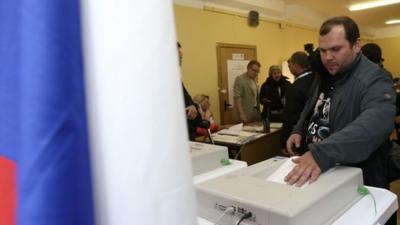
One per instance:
[(357, 45), (295, 67)]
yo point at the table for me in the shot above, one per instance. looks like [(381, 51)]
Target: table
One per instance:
[(256, 148)]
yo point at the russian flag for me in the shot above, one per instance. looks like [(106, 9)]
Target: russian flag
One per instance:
[(83, 115)]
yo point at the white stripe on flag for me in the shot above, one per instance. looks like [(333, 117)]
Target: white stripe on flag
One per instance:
[(140, 156)]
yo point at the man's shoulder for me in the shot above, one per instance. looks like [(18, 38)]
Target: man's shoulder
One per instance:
[(304, 81), (367, 72), (241, 77), (286, 83)]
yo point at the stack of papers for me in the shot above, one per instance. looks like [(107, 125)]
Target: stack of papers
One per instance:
[(254, 128), (234, 130), (229, 132), (275, 125), (236, 135)]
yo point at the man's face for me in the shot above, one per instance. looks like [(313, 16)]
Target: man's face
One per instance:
[(276, 75), (253, 71), (336, 52)]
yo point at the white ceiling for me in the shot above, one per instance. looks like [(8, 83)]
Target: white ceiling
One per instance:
[(374, 18), (313, 12)]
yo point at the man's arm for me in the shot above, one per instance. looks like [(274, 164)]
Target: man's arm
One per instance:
[(298, 131), (238, 96), (355, 142), (190, 108), (264, 95), (291, 111), (187, 97), (239, 106), (360, 138)]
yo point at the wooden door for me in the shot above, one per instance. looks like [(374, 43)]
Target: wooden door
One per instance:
[(232, 61)]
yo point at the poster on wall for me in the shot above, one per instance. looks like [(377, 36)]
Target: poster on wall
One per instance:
[(235, 68)]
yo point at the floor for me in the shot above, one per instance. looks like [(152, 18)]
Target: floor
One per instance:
[(395, 188)]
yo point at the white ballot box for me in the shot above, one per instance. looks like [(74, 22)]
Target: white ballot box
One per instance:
[(225, 169), (270, 203), (206, 157), (210, 161)]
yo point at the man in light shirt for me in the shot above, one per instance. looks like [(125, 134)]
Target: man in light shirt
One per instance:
[(245, 94)]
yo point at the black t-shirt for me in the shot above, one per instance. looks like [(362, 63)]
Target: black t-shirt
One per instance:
[(319, 125)]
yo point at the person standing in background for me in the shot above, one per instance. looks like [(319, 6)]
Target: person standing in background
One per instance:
[(374, 53), (272, 94), (245, 94), (296, 94), (192, 114)]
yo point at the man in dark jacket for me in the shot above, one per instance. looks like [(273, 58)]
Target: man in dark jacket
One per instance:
[(192, 114), (296, 94), (349, 116), (350, 113), (272, 94)]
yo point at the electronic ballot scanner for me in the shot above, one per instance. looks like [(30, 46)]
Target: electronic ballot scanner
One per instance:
[(256, 195)]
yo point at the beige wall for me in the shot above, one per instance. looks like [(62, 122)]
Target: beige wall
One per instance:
[(390, 52), (198, 31)]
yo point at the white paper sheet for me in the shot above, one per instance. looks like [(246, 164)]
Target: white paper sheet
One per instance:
[(279, 175), (233, 130)]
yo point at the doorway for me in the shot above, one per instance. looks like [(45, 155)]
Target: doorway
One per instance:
[(232, 61)]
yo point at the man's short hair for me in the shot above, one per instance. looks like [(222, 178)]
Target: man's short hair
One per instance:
[(373, 52), (350, 28), (301, 59), (253, 62)]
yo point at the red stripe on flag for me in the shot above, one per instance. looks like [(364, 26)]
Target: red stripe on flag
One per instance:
[(7, 192)]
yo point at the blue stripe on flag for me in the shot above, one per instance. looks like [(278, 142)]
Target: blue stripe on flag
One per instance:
[(47, 127)]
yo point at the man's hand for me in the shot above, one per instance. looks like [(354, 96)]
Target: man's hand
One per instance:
[(285, 152), (243, 117), (191, 112), (265, 100), (292, 143), (305, 170)]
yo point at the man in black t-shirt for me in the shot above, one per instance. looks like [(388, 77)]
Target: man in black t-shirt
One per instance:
[(349, 115)]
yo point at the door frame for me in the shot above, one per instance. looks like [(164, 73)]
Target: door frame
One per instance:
[(219, 46)]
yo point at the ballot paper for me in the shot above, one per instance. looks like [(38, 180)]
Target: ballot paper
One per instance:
[(279, 175), (233, 130)]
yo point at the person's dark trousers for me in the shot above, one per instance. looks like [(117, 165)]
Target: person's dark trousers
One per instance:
[(275, 118)]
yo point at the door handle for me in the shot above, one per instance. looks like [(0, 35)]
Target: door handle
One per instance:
[(226, 105)]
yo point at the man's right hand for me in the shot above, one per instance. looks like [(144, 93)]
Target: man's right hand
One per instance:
[(293, 143), (243, 117)]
